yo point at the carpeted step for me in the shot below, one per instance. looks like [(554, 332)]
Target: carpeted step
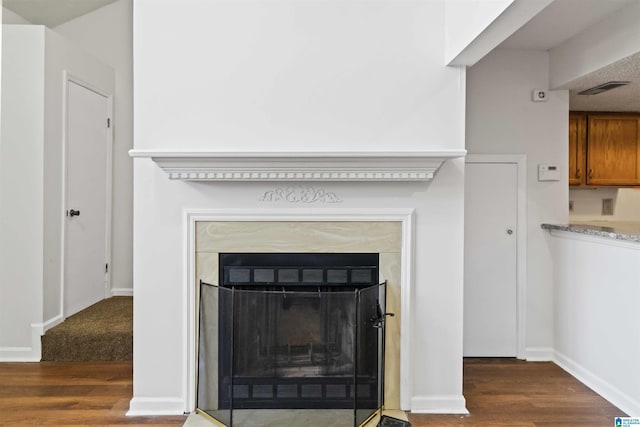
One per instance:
[(101, 332)]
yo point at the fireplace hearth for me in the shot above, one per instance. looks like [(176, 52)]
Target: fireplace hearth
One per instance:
[(292, 331)]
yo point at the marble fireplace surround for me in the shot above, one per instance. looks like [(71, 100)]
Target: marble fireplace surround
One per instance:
[(386, 231)]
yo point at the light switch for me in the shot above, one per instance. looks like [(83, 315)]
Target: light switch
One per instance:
[(548, 173)]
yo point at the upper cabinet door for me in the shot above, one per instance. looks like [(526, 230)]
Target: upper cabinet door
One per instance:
[(577, 148), (613, 156)]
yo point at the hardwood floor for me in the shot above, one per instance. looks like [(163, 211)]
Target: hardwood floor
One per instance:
[(508, 392), (70, 393), (499, 392)]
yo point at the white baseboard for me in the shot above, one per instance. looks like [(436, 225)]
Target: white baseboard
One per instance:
[(19, 354), (54, 321), (122, 292), (611, 393), (539, 354), (25, 354), (442, 404), (144, 406)]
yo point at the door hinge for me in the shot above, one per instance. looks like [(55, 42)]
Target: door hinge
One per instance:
[(108, 122), (106, 268)]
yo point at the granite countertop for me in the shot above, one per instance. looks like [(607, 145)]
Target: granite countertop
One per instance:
[(619, 230)]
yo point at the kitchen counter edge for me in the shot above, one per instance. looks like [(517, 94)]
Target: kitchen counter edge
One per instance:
[(596, 230)]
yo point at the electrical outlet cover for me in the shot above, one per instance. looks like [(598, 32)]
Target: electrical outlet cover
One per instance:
[(607, 206)]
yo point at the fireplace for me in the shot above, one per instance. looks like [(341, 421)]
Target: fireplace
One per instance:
[(292, 331), (385, 202)]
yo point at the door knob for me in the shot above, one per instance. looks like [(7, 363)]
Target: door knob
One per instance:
[(509, 231), (73, 213)]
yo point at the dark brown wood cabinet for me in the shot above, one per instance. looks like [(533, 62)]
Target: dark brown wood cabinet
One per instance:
[(604, 149), (577, 148)]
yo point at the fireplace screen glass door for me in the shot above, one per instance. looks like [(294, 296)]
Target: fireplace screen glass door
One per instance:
[(291, 355)]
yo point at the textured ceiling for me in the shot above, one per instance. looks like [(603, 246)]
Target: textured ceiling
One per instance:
[(625, 98), (53, 12)]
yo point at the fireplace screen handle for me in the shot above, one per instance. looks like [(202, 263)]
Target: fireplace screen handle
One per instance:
[(377, 321)]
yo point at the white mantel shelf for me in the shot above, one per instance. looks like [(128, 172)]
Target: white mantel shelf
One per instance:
[(299, 166)]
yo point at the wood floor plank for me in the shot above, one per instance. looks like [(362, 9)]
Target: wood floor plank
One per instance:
[(509, 392), (70, 394), (499, 392)]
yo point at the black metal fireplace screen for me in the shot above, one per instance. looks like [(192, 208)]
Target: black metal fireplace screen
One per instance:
[(292, 331)]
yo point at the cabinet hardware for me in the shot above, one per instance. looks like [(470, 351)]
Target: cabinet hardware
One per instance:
[(590, 173), (578, 173)]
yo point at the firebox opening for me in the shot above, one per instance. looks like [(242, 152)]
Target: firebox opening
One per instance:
[(294, 331)]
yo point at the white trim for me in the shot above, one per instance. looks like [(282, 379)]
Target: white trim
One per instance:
[(66, 78), (109, 196), (193, 165), (145, 406), (405, 216), (601, 240), (19, 354), (521, 243), (623, 401), (539, 354), (25, 354), (54, 321), (439, 404), (122, 292)]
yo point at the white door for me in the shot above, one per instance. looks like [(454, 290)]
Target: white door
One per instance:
[(490, 273), (87, 145)]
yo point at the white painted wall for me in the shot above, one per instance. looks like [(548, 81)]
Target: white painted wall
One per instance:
[(597, 288), (502, 119), (601, 44), (587, 203), (466, 20), (31, 185), (291, 75), (21, 192), (336, 75), (107, 34)]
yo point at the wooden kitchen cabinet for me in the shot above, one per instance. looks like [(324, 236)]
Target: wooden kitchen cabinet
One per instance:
[(577, 148), (604, 148), (613, 149)]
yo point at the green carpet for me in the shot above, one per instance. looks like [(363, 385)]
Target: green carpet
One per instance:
[(101, 332)]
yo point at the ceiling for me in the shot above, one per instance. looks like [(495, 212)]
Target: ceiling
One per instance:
[(564, 19), (53, 12), (560, 21)]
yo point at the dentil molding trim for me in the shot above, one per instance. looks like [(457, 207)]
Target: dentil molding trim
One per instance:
[(299, 166)]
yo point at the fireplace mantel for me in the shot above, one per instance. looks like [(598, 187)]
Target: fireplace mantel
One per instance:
[(299, 166)]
